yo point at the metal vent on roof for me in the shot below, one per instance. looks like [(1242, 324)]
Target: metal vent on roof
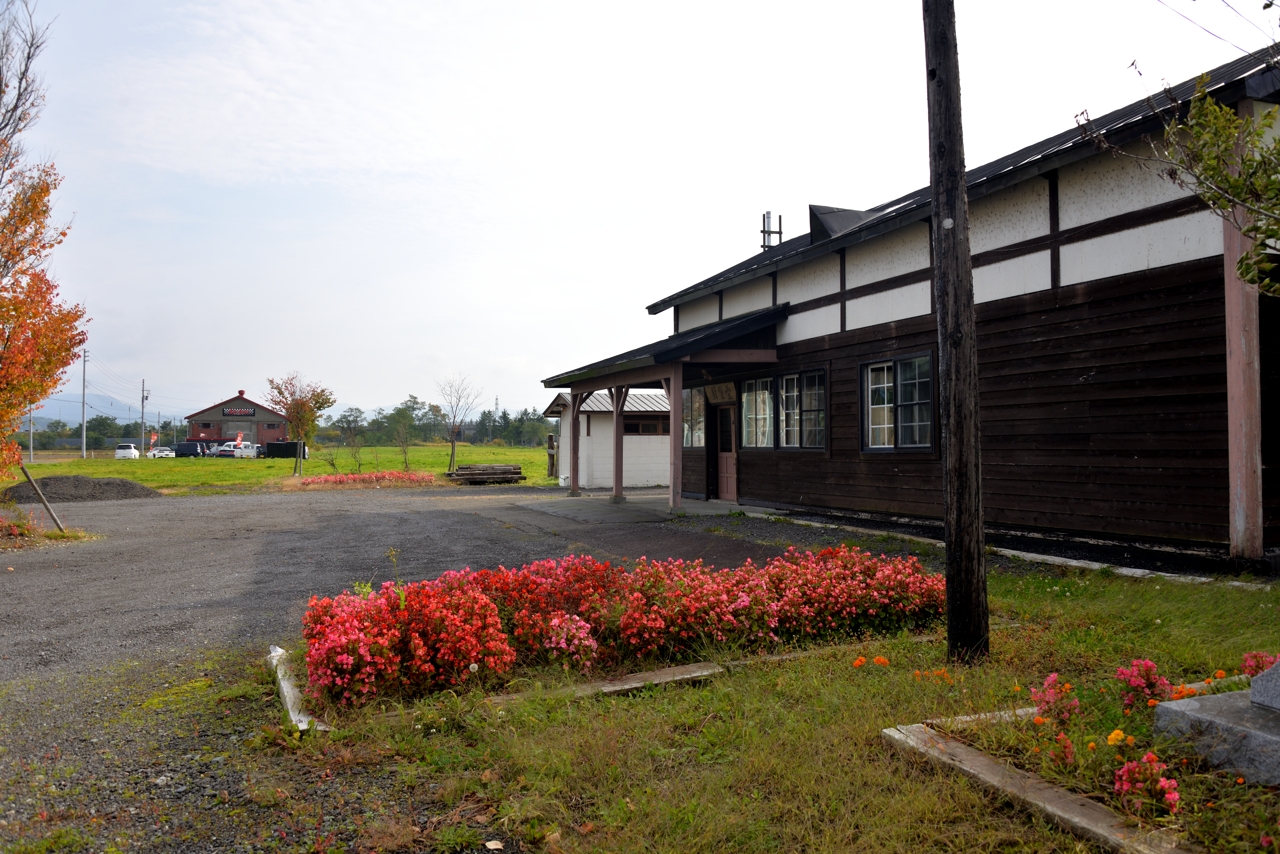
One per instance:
[(767, 232)]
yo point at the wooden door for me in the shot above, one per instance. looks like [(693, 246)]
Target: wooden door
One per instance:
[(727, 453)]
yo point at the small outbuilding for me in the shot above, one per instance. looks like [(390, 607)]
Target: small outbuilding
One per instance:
[(237, 416), (646, 432)]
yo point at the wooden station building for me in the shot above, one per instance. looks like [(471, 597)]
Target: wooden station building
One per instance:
[(237, 416), (1123, 366)]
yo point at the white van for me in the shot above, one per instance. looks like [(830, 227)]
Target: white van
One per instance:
[(127, 452)]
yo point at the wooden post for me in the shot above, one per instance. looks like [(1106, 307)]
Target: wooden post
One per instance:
[(1244, 395), (43, 500), (674, 387), (618, 397), (575, 444), (967, 620)]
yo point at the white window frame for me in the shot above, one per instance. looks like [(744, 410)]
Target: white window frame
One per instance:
[(884, 407)]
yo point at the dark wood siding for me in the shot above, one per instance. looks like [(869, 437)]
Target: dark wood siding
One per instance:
[(693, 479), (1103, 410)]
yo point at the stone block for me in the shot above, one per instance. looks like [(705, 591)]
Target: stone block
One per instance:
[(1229, 731), (1265, 688)]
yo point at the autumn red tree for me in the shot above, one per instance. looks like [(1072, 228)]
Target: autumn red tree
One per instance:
[(301, 403), (40, 335)]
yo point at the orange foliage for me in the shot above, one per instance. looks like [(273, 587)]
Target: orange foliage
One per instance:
[(39, 334)]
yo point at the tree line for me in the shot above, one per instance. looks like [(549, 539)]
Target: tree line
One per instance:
[(417, 421), (100, 430)]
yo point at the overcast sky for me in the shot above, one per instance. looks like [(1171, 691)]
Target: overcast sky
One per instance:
[(380, 195)]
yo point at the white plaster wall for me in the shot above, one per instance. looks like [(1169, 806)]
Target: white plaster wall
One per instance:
[(900, 251), (811, 279), (646, 460), (1010, 216), (1010, 278), (699, 312), (897, 304), (752, 296), (1186, 238), (1103, 186), (809, 324)]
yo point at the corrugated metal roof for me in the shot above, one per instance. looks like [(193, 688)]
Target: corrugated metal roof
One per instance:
[(642, 402), (1253, 76)]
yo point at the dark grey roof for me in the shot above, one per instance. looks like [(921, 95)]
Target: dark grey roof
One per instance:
[(674, 347), (1254, 76)]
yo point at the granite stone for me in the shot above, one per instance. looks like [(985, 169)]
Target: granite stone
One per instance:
[(1229, 731), (1265, 688)]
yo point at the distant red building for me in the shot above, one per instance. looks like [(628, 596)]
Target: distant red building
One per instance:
[(238, 415)]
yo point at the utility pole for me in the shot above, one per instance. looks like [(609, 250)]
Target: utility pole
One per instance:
[(143, 416), (968, 636), (31, 434), (84, 384)]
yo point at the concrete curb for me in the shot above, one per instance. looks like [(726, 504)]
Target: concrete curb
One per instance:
[(1074, 813)]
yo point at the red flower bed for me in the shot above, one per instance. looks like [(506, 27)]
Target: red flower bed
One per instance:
[(376, 478), (580, 613)]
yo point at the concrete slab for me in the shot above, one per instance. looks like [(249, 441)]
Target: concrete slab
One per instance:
[(598, 510), (1229, 731), (1265, 688)]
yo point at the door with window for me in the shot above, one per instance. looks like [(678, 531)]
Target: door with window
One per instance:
[(726, 453)]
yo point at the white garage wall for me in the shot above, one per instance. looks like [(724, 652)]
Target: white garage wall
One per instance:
[(752, 296)]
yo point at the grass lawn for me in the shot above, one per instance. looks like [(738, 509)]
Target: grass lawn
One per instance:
[(195, 475), (768, 757)]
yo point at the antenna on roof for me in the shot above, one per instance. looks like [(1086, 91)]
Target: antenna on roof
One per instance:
[(767, 230)]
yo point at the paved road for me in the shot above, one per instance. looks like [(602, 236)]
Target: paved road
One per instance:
[(169, 575)]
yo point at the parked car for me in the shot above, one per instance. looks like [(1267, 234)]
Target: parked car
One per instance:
[(227, 450), (156, 453), (189, 449), (127, 452), (247, 451)]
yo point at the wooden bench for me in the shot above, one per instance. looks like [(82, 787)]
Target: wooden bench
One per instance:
[(487, 474)]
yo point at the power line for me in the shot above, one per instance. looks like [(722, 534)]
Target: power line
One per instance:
[(1201, 26), (1247, 20)]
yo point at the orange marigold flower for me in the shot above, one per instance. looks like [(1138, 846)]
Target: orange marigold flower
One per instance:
[(1220, 674), (1035, 750), (917, 675), (1092, 746), (859, 661), (1017, 688), (1127, 711), (1208, 681), (1239, 781), (1153, 702), (1117, 736), (881, 660), (1129, 741), (1038, 721)]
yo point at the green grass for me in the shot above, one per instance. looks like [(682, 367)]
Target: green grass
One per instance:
[(788, 757), (193, 475), (769, 757)]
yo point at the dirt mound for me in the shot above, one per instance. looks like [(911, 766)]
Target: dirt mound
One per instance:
[(79, 488)]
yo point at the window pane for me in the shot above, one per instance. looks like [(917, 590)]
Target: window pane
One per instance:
[(915, 425), (757, 414), (880, 409), (791, 411), (815, 392), (699, 418), (686, 418), (815, 429)]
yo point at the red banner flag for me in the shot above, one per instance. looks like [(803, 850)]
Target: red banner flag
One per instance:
[(239, 439)]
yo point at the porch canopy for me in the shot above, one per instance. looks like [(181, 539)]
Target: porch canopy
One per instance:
[(661, 365)]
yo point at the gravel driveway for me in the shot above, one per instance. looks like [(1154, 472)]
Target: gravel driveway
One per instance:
[(174, 574)]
